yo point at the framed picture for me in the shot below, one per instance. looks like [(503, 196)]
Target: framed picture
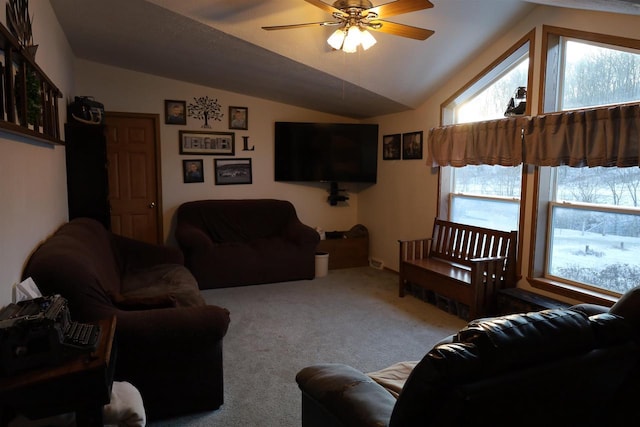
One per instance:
[(412, 145), (391, 147), (192, 170), (238, 118), (175, 112), (232, 171), (207, 143)]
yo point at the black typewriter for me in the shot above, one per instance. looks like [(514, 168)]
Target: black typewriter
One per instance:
[(40, 332)]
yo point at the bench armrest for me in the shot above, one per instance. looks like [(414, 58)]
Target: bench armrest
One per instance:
[(414, 249), (488, 259), (415, 240), (191, 238)]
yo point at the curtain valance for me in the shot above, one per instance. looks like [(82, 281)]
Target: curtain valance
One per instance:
[(608, 136), (494, 142), (596, 137)]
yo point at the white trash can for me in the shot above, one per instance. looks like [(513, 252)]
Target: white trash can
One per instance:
[(322, 264)]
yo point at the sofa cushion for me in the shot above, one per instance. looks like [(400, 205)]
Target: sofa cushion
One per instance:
[(161, 285)]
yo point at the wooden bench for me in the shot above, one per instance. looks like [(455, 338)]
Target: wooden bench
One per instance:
[(462, 263)]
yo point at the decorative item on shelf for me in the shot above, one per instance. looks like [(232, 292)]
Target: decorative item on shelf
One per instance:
[(518, 103), (20, 24), (175, 112), (205, 108), (412, 145), (245, 139), (34, 99), (238, 118), (85, 110)]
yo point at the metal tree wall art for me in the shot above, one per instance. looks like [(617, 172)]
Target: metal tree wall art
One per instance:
[(204, 109)]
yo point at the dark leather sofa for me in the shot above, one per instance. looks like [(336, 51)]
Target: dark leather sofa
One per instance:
[(572, 367), (168, 341), (245, 242)]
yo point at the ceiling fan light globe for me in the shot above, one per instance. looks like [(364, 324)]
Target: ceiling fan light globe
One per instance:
[(350, 47), (352, 41), (367, 39), (336, 40)]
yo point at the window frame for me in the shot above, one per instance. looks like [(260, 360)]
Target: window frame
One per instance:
[(475, 85), (548, 102)]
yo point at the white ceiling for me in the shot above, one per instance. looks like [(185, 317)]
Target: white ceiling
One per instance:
[(220, 44)]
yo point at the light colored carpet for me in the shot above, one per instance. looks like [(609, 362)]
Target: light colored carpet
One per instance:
[(352, 316)]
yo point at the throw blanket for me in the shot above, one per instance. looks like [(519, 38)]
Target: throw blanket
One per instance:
[(124, 410), (393, 377)]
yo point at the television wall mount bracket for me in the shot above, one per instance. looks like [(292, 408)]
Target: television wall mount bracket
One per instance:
[(335, 196)]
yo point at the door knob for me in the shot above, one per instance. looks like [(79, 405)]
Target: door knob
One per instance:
[(152, 205)]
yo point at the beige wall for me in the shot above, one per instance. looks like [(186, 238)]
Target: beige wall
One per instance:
[(32, 175), (123, 90), (401, 205)]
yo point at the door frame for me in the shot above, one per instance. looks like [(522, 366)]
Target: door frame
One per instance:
[(157, 147)]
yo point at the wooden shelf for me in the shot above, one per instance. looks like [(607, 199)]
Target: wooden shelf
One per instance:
[(28, 98)]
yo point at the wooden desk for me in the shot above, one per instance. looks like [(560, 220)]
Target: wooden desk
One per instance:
[(82, 384)]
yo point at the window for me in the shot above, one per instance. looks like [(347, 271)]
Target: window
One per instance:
[(486, 195), (591, 228)]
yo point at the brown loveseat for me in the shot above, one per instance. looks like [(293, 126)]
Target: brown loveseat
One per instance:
[(169, 342), (573, 367), (245, 242)]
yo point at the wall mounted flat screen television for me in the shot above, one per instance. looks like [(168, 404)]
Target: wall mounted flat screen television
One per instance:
[(326, 152)]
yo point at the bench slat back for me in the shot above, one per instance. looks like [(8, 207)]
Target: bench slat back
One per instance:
[(460, 242)]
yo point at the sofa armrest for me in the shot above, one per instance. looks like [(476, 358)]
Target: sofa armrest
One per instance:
[(339, 395), (191, 238), (186, 328), (590, 309), (301, 234), (136, 254), (173, 356)]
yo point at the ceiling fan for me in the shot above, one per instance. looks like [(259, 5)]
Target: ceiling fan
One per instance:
[(355, 17)]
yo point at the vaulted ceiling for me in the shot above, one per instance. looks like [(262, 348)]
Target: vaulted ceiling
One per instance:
[(220, 44)]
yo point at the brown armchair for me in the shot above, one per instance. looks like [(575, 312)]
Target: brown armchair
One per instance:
[(169, 342)]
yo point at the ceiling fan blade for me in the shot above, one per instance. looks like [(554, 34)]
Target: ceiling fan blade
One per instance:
[(399, 7), (401, 30), (324, 6), (309, 24)]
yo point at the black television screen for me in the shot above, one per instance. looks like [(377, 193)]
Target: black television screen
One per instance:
[(326, 152)]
